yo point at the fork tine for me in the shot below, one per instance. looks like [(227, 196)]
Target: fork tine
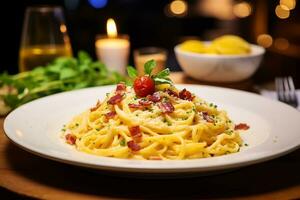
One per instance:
[(279, 89), (287, 93), (293, 94), (291, 83)]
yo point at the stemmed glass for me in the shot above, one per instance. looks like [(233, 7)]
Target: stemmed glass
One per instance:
[(44, 37)]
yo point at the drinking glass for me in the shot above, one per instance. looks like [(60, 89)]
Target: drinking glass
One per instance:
[(44, 37), (142, 55)]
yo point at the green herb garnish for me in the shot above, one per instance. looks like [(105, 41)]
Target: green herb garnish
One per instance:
[(149, 66), (63, 74), (132, 73), (123, 142), (159, 78)]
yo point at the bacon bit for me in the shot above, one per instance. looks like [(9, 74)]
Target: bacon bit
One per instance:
[(171, 92), (207, 118), (186, 95), (121, 87), (115, 99), (133, 146), (145, 102), (133, 105), (98, 104), (110, 115), (155, 158), (155, 97), (241, 126), (136, 133), (70, 138), (166, 107)]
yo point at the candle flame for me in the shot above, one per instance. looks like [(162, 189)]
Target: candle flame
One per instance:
[(111, 28)]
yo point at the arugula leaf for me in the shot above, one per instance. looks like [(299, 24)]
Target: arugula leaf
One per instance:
[(164, 73), (5, 79), (84, 57), (63, 74), (11, 100), (66, 73), (132, 72), (149, 66)]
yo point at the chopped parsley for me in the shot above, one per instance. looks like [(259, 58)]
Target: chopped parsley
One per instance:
[(123, 142), (229, 132), (194, 109), (165, 99)]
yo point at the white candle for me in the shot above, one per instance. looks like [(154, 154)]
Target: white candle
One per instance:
[(113, 50)]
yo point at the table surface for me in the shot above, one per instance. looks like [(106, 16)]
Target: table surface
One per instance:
[(33, 176)]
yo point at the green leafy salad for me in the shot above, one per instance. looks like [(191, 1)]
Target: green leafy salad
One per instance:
[(63, 74)]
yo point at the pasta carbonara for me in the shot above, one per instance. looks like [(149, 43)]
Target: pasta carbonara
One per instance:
[(166, 124)]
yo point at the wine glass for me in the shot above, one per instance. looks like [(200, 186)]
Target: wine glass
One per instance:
[(44, 37)]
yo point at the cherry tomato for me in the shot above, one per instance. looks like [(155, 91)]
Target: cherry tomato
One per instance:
[(144, 86)]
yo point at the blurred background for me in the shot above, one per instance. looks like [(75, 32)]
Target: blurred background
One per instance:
[(273, 24)]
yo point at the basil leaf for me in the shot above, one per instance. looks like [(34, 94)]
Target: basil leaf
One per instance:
[(164, 73), (132, 73), (162, 80), (129, 82), (149, 66)]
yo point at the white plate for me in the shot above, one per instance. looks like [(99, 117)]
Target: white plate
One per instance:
[(274, 130)]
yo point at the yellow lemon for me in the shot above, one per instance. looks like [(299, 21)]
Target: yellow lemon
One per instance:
[(230, 44), (192, 46), (210, 49)]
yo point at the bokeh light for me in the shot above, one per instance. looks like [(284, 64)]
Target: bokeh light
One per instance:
[(63, 28), (220, 9), (282, 11), (265, 40), (98, 3), (242, 9), (290, 4), (178, 7), (281, 43)]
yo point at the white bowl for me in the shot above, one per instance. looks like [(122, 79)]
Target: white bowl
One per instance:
[(220, 68)]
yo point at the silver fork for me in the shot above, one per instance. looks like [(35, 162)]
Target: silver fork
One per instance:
[(286, 92)]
